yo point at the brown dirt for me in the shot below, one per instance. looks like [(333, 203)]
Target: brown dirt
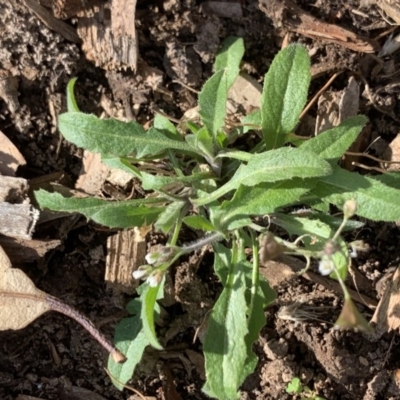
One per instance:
[(53, 358)]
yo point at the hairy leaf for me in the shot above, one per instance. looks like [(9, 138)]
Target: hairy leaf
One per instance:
[(72, 105), (113, 137), (332, 143), (225, 346), (167, 219), (213, 96), (148, 297), (374, 199), (131, 340), (199, 222), (273, 166), (265, 198), (284, 94), (121, 214)]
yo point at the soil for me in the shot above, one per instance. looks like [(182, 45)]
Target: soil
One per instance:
[(53, 358)]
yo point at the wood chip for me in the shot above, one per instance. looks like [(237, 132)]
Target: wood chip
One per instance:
[(288, 15), (65, 30), (126, 252), (18, 220), (9, 90), (110, 42), (64, 9), (10, 157), (390, 7)]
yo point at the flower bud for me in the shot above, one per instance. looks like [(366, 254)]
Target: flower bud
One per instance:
[(270, 248), (349, 208), (326, 266), (141, 272)]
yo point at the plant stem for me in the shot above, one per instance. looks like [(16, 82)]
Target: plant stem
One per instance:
[(58, 305), (214, 237), (255, 277)]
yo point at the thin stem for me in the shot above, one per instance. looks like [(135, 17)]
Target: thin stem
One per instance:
[(341, 227), (255, 276), (58, 305), (214, 237)]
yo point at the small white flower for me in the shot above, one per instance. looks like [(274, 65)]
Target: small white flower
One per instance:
[(140, 273), (326, 267), (154, 279), (152, 257)]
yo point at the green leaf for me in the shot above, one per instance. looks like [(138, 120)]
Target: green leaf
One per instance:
[(251, 121), (113, 137), (262, 297), (157, 182), (114, 214), (294, 386), (273, 166), (319, 231), (131, 340), (332, 143), (225, 347), (332, 221), (122, 164), (167, 219), (72, 105), (212, 102), (205, 143), (214, 94), (229, 57), (284, 94), (341, 260), (149, 296), (222, 261), (265, 198), (374, 199), (165, 126), (199, 222)]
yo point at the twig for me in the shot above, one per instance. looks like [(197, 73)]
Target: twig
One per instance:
[(315, 98), (58, 305)]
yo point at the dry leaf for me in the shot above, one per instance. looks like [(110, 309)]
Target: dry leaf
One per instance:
[(20, 301), (387, 314), (10, 157)]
